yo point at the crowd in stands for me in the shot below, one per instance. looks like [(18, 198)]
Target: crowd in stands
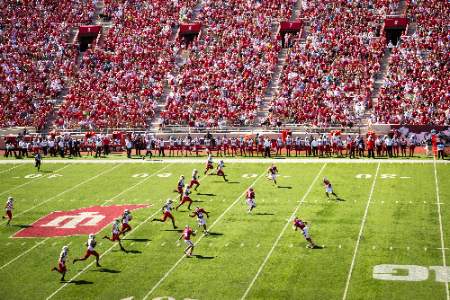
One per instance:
[(35, 59), (416, 89), (119, 80), (328, 79), (230, 64)]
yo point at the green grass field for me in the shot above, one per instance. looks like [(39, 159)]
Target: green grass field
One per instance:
[(389, 216)]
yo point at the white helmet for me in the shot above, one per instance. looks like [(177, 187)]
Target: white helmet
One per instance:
[(126, 211), (65, 248), (92, 236), (182, 177), (10, 198), (195, 170)]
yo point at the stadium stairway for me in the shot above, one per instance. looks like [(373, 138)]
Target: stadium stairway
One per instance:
[(180, 60)]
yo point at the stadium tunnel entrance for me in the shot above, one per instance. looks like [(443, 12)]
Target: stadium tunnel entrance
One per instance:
[(394, 28), (87, 35)]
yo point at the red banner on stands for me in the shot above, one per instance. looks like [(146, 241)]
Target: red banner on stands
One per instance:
[(190, 28), (89, 30), (295, 26), (392, 23)]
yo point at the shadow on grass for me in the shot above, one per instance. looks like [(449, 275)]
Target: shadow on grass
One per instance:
[(78, 282), (176, 230), (215, 233), (233, 182), (138, 240), (203, 257), (134, 251), (21, 225), (264, 214), (106, 270), (284, 187), (206, 194)]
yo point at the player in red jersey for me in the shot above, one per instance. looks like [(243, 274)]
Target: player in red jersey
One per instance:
[(200, 214), (186, 236), (186, 198), (180, 186), (8, 209), (91, 243), (250, 200), (329, 188), (116, 234), (272, 172), (194, 180), (62, 262), (126, 218), (303, 226), (167, 213), (209, 163)]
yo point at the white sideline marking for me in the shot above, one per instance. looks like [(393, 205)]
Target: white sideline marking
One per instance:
[(65, 191), (201, 237), (23, 253), (234, 160), (4, 171), (441, 230), (32, 180), (282, 232), (363, 222)]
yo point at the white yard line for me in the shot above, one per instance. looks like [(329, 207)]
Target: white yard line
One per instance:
[(266, 259), (201, 237), (23, 253), (194, 160), (4, 171), (438, 200), (63, 192), (31, 180), (361, 229)]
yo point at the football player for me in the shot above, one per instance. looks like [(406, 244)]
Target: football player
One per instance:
[(194, 180), (8, 209), (272, 172), (329, 188), (62, 262), (91, 243), (116, 234), (186, 236), (186, 198), (200, 214), (167, 213), (209, 163), (220, 172), (37, 161), (180, 186), (303, 226), (126, 218), (251, 200)]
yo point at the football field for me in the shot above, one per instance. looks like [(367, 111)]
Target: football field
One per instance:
[(386, 238)]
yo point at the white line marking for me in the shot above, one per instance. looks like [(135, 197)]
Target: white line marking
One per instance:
[(201, 237), (390, 248), (257, 246), (163, 243), (31, 181), (374, 247), (363, 222), (23, 253), (282, 232), (65, 191), (4, 171), (441, 230), (242, 245), (425, 248), (340, 246)]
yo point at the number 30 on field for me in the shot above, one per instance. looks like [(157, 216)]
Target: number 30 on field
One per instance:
[(382, 176), (410, 273)]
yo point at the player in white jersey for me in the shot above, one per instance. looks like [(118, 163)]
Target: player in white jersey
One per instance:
[(220, 171), (209, 163), (62, 262), (126, 218), (167, 213), (8, 209), (116, 234), (272, 172), (91, 243), (194, 180)]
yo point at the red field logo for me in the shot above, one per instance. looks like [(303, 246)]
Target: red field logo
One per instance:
[(75, 222)]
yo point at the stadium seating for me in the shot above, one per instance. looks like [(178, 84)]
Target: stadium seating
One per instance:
[(328, 79), (229, 66), (120, 79), (416, 87), (35, 59)]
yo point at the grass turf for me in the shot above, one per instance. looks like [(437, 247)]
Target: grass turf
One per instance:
[(402, 221)]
